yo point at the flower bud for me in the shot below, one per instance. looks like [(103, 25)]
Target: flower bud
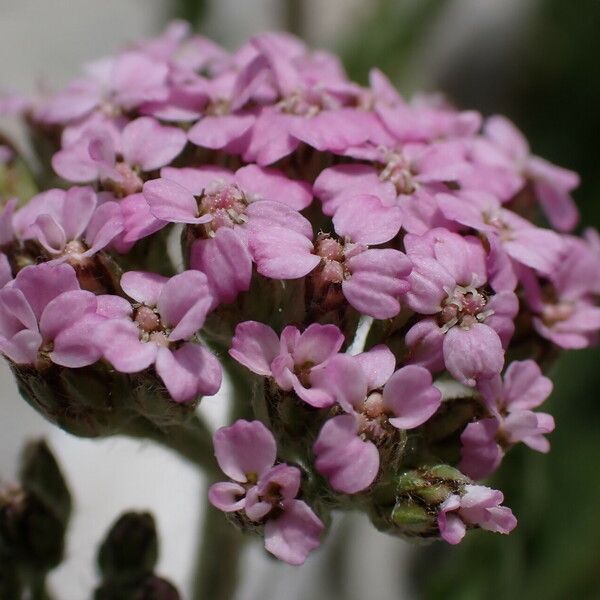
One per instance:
[(130, 550)]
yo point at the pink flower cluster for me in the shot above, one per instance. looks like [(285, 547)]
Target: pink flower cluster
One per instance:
[(435, 227)]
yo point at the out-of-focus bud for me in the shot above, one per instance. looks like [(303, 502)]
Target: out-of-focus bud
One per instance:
[(130, 550), (16, 179), (151, 588)]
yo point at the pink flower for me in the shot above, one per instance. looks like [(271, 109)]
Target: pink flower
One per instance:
[(158, 328), (409, 177), (510, 404), (540, 249), (123, 82), (318, 111), (476, 506), (69, 224), (45, 316), (377, 401), (266, 493), (553, 185), (289, 360), (467, 327), (144, 144), (371, 279), (232, 208), (564, 307)]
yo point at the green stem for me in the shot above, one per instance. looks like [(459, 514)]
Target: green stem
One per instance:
[(217, 574), (192, 440)]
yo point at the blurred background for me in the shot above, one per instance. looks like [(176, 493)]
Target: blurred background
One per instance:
[(537, 61)]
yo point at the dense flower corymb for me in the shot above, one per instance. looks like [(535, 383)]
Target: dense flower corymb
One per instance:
[(385, 280)]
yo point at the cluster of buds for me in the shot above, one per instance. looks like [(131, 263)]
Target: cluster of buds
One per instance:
[(376, 266)]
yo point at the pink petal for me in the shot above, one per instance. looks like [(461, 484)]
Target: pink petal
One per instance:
[(143, 287), (317, 343), (292, 536), (452, 528), (121, 346), (270, 184), (198, 179), (171, 202), (382, 225), (188, 372), (377, 364), (64, 310), (425, 343), (104, 226), (524, 385), (266, 214), (42, 283), (226, 262), (138, 221), (349, 464), (282, 254), (411, 396), (246, 448), (255, 346), (149, 145), (377, 281), (480, 453), (77, 208), (473, 354), (76, 346), (227, 496), (219, 131), (343, 380), (22, 348), (183, 303)]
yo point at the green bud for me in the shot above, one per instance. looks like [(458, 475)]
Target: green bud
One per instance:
[(130, 550), (412, 519)]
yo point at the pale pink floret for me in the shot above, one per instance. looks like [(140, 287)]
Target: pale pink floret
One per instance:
[(553, 185), (125, 81), (540, 249), (44, 315), (377, 400), (564, 307), (158, 329), (71, 225), (468, 327), (408, 177), (265, 492), (476, 506), (234, 208), (372, 279), (510, 403), (144, 144), (291, 359)]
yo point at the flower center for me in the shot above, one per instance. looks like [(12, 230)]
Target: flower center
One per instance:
[(463, 306), (150, 326), (399, 171), (373, 416), (227, 205)]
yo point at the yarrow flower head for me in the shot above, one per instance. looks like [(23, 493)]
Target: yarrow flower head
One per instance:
[(384, 279)]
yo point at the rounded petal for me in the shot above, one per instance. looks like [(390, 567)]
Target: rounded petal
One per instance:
[(473, 354), (263, 183), (317, 343), (227, 496), (255, 345), (171, 202), (64, 310), (292, 536), (524, 385), (77, 346), (183, 303), (121, 346), (245, 449), (226, 262), (188, 372), (377, 364), (381, 226), (350, 464), (411, 396), (143, 287)]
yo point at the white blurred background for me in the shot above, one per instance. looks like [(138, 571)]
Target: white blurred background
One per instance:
[(43, 42)]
